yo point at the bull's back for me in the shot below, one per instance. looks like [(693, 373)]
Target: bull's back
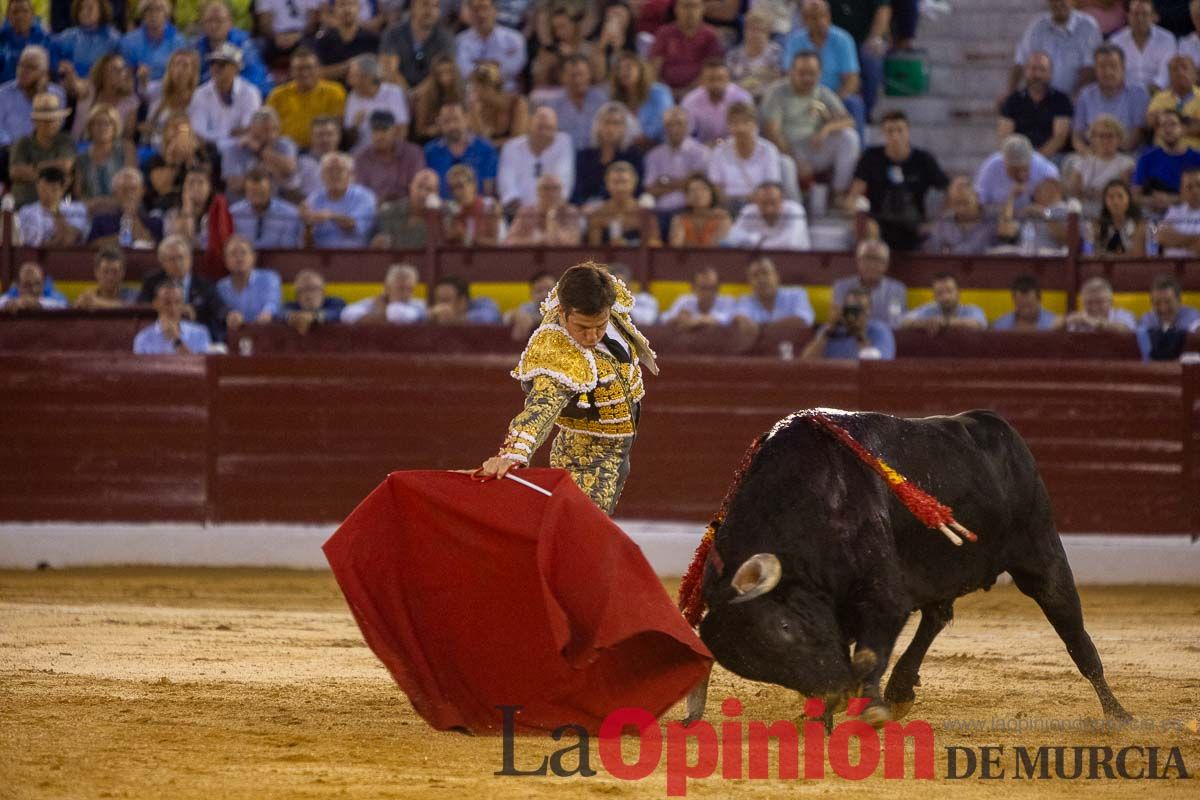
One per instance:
[(977, 464)]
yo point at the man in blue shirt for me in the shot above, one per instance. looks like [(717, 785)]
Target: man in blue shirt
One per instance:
[(20, 30), (1166, 307), (251, 295), (203, 303), (1159, 170), (852, 334), (170, 333), (1027, 313), (457, 146), (311, 306), (16, 96), (767, 301), (451, 303), (839, 56), (341, 213), (150, 45), (217, 24), (1110, 94), (1014, 166), (705, 306), (945, 310), (269, 222), (1162, 331)]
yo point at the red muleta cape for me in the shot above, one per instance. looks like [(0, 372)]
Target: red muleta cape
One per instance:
[(479, 594)]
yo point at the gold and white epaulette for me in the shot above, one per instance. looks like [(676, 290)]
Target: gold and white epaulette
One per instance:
[(552, 352)]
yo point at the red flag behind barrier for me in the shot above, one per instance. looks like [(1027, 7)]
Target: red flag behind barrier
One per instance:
[(476, 595)]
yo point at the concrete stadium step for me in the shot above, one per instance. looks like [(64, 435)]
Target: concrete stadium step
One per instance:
[(970, 51), (1027, 7), (958, 137), (979, 24), (961, 164), (980, 82), (957, 50), (939, 111)]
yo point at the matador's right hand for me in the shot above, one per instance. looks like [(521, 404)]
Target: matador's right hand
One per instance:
[(494, 467)]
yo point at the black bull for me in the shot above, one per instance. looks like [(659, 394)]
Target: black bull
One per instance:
[(816, 556)]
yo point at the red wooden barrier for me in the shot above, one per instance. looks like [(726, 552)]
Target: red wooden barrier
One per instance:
[(98, 437)]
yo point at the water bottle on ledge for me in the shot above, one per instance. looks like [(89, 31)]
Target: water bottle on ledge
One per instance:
[(1028, 239), (125, 236)]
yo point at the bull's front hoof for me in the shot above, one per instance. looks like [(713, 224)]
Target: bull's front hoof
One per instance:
[(1117, 712), (900, 710), (876, 715)]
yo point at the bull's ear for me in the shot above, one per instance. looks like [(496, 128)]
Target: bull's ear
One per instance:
[(758, 575)]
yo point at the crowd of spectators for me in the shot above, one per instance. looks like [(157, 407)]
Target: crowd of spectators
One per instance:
[(1103, 105), (684, 123), (624, 102)]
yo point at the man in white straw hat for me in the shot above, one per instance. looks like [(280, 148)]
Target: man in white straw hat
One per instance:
[(222, 107), (48, 146)]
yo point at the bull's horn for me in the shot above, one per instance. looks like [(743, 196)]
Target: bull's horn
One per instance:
[(757, 576)]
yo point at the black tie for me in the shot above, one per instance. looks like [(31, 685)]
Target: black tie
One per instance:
[(616, 348)]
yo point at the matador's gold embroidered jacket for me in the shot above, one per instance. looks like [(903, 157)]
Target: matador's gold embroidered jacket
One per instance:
[(580, 390)]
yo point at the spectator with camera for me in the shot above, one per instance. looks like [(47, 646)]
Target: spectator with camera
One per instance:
[(852, 334), (889, 297)]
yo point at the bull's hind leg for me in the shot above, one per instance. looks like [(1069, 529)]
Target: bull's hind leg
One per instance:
[(1049, 582), (906, 674)]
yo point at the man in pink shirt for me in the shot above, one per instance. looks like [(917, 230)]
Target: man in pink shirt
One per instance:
[(710, 101), (680, 49), (389, 163)]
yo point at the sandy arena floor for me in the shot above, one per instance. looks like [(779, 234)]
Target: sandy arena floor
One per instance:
[(188, 683)]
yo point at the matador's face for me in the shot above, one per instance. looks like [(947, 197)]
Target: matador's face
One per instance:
[(586, 329)]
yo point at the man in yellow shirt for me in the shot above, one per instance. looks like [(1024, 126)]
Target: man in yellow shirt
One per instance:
[(189, 12), (305, 97), (1181, 95)]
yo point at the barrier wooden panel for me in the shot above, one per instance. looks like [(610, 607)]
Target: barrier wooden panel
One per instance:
[(334, 338), (1108, 436), (302, 439), (485, 264), (90, 437), (114, 331), (702, 414), (1191, 449), (950, 343), (70, 330), (350, 266), (1136, 274)]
